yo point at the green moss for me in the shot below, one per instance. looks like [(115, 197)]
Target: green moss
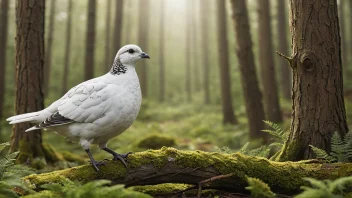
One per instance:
[(71, 157), (161, 189), (156, 141), (50, 154), (280, 176), (43, 194)]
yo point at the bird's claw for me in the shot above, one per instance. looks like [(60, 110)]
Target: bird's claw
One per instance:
[(95, 164), (121, 157)]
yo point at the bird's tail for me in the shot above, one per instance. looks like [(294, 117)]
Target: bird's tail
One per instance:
[(27, 117)]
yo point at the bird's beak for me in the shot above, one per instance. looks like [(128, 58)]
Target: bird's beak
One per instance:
[(144, 55)]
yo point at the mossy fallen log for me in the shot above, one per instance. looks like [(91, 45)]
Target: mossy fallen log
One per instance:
[(169, 165)]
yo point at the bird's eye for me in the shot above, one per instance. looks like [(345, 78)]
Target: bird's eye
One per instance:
[(131, 51)]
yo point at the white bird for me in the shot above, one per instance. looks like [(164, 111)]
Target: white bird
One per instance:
[(96, 110)]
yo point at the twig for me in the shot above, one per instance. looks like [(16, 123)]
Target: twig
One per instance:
[(210, 180), (289, 59)]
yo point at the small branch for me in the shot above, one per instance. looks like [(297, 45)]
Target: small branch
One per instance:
[(210, 180), (289, 59)]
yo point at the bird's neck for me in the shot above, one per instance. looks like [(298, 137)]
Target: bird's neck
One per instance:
[(119, 69)]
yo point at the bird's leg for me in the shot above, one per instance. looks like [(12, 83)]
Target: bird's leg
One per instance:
[(94, 163), (118, 156)]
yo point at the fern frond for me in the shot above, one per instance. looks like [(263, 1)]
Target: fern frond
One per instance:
[(244, 149), (259, 189), (321, 154)]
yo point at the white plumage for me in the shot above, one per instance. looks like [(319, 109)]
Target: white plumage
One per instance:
[(98, 109)]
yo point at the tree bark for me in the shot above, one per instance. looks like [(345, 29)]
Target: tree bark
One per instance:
[(4, 7), (47, 63), (108, 60), (118, 27), (143, 37), (204, 11), (90, 41), (188, 70), (161, 53), (318, 103), (227, 109), (169, 165), (285, 74), (343, 39), (252, 94), (67, 48), (29, 75), (268, 77)]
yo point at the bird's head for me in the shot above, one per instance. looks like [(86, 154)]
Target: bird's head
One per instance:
[(130, 54)]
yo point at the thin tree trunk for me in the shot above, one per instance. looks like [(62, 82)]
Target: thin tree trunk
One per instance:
[(108, 60), (29, 75), (227, 109), (48, 53), (4, 6), (143, 43), (67, 48), (204, 11), (118, 27), (343, 39), (268, 77), (188, 52), (350, 41), (128, 13), (252, 94), (161, 53), (318, 103), (195, 47), (90, 41), (286, 78)]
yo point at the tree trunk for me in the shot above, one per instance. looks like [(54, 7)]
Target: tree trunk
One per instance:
[(285, 74), (268, 77), (29, 76), (204, 11), (118, 27), (343, 39), (227, 109), (195, 47), (67, 48), (350, 40), (143, 43), (4, 7), (252, 94), (169, 165), (108, 60), (47, 63), (161, 53), (318, 103), (188, 52), (90, 41), (128, 13)]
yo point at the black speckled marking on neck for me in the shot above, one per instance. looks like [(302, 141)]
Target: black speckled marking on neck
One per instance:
[(118, 68)]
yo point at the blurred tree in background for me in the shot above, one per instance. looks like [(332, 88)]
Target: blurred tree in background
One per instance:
[(4, 6)]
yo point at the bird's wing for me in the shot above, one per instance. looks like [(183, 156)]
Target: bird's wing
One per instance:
[(86, 102)]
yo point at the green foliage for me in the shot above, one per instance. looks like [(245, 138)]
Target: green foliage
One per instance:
[(156, 141), (10, 174), (326, 188), (277, 132), (259, 189), (262, 151), (93, 189), (341, 149)]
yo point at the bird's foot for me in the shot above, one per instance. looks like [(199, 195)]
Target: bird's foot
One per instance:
[(95, 164), (121, 157)]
